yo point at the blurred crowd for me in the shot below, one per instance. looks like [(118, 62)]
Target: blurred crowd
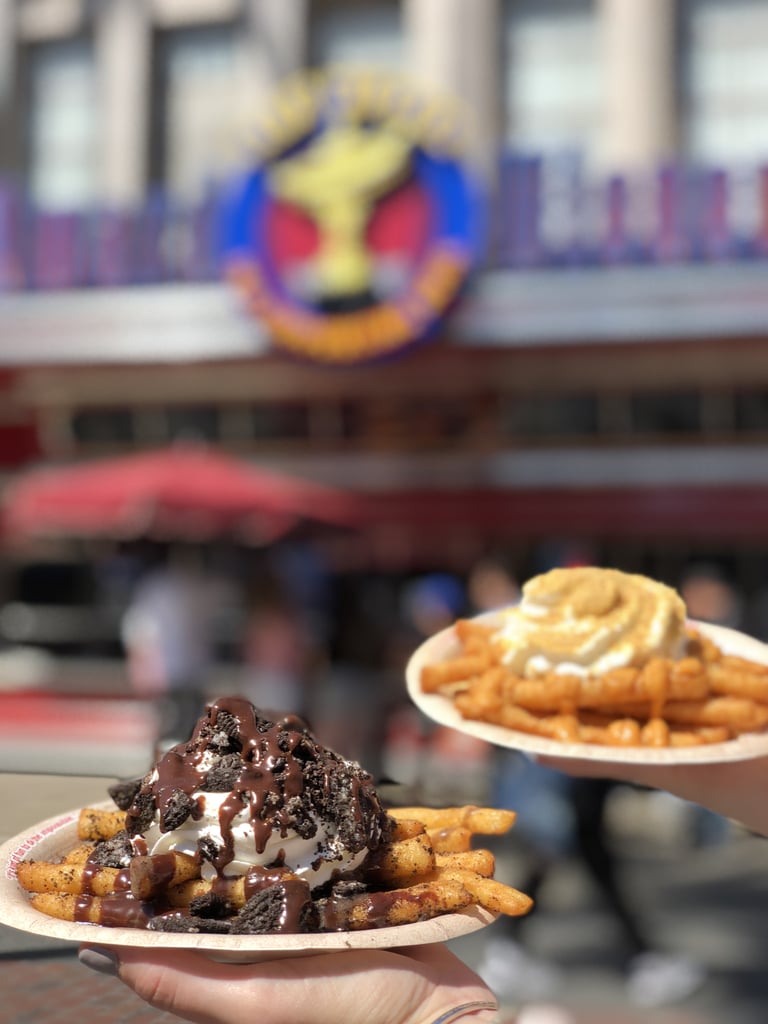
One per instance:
[(296, 633)]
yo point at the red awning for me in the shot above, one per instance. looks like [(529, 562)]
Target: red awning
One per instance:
[(182, 492)]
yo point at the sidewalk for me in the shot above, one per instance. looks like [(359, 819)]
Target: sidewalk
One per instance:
[(41, 981), (55, 989)]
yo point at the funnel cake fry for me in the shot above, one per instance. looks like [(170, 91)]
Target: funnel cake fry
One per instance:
[(43, 877), (738, 678), (405, 828), (738, 713), (109, 911), (493, 895), (79, 855), (96, 824), (450, 840), (151, 876), (402, 862), (479, 820), (456, 672), (235, 891), (481, 862), (661, 678), (406, 905)]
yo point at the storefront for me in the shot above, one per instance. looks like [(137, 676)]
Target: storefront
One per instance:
[(585, 359)]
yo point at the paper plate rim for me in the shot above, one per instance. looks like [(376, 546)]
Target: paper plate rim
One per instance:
[(53, 837), (441, 709)]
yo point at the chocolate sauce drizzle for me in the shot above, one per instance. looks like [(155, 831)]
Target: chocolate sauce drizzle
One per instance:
[(280, 777)]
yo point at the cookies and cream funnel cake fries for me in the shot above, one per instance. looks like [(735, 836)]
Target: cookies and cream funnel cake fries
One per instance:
[(245, 792), (599, 656), (253, 827)]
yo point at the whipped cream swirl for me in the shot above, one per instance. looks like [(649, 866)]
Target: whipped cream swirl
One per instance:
[(586, 621)]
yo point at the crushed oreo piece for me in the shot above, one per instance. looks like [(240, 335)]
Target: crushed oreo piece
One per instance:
[(189, 924), (284, 907), (176, 811), (227, 723), (210, 904), (224, 774), (112, 853), (124, 793), (223, 737), (345, 887), (141, 813), (208, 849)]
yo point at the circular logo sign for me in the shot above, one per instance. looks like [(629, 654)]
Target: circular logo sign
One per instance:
[(359, 225)]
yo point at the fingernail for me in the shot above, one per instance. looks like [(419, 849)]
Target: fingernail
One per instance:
[(102, 960)]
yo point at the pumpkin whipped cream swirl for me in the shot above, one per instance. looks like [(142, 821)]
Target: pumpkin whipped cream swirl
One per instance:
[(587, 621)]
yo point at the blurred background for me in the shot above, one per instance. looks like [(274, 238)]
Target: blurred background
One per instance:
[(596, 392)]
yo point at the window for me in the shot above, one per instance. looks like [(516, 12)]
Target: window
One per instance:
[(280, 421), (751, 411), (193, 423), (666, 413), (725, 80), (360, 34), (552, 83), (204, 105), (165, 424), (532, 416), (103, 426), (62, 125)]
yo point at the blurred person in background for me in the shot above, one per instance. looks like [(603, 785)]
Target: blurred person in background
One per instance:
[(432, 603), (544, 824), (279, 651), (167, 637), (559, 818), (543, 837), (491, 585), (349, 696), (709, 596), (429, 604)]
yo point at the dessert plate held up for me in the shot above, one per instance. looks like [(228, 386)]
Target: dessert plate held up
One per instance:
[(440, 708), (53, 838)]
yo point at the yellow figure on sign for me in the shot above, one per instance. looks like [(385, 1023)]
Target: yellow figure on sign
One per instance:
[(337, 179)]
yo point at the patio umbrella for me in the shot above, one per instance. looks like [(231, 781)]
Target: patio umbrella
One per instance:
[(184, 491)]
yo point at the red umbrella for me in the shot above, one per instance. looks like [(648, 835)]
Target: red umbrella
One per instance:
[(182, 492)]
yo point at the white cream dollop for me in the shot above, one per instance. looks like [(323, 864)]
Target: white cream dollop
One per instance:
[(316, 860), (586, 621)]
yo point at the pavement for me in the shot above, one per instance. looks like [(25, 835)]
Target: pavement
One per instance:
[(41, 980), (708, 903)]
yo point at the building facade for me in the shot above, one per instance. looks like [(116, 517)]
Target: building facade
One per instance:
[(604, 376)]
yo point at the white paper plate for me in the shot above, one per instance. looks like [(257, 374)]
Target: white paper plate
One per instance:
[(441, 709), (53, 838)]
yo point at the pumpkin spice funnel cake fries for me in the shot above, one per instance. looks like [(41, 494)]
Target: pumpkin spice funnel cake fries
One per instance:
[(603, 657), (253, 827)]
